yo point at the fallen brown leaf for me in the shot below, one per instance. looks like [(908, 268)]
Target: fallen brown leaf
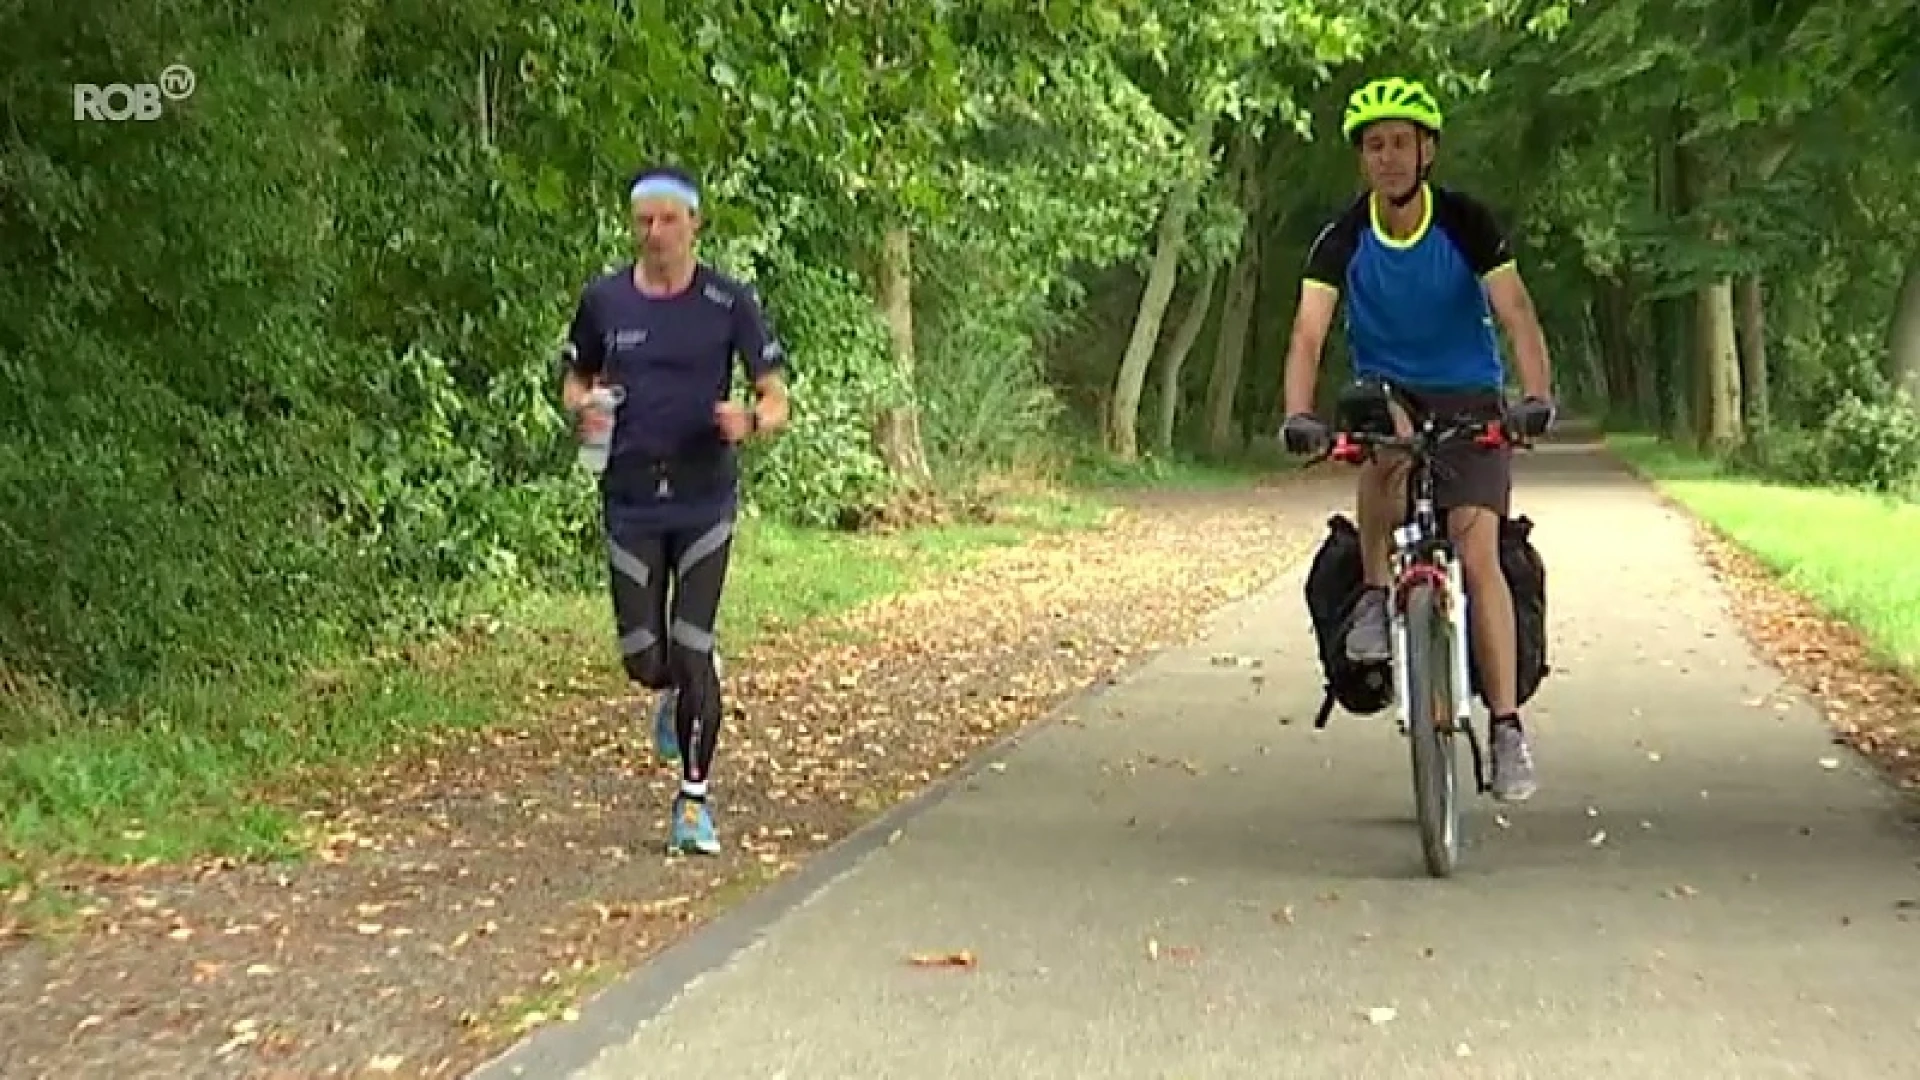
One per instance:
[(962, 959)]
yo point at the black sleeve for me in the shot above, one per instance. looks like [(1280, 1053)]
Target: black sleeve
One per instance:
[(585, 352), (1331, 252), (759, 348), (1473, 230)]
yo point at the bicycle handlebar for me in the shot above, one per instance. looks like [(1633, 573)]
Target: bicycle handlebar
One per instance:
[(1353, 447)]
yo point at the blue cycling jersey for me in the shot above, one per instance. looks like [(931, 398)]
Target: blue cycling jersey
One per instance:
[(1416, 309)]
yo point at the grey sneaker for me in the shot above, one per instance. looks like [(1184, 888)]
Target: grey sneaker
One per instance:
[(1512, 764), (1367, 638)]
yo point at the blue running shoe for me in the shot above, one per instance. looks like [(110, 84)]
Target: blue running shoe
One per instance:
[(693, 831)]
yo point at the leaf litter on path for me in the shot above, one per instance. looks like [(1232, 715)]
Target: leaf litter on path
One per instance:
[(525, 857)]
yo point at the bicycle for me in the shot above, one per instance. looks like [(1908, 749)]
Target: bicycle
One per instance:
[(1427, 608)]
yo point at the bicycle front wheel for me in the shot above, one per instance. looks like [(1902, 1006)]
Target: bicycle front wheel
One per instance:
[(1430, 703)]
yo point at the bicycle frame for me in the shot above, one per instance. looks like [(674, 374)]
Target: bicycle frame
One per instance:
[(1423, 552)]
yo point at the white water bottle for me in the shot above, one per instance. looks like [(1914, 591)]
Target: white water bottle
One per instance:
[(598, 438)]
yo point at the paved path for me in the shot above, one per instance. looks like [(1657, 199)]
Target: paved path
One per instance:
[(1740, 916)]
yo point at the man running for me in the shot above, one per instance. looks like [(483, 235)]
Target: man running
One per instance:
[(666, 329), (1418, 266)]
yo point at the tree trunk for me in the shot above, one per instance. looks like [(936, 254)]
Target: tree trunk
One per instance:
[(1719, 362), (1176, 358), (1612, 328), (1750, 300), (1753, 352), (1715, 355), (1605, 388), (1236, 317), (1640, 344), (1123, 411), (1230, 347), (1903, 333), (1717, 418), (897, 433), (483, 103), (1671, 318)]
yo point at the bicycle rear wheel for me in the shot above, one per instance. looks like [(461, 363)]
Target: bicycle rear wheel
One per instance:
[(1430, 703)]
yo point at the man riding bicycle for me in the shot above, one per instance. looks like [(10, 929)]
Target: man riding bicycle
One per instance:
[(1418, 265)]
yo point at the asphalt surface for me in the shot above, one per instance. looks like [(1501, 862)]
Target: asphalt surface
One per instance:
[(1184, 880)]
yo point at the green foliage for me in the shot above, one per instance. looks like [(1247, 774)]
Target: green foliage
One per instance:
[(1867, 432), (278, 368), (1873, 443), (825, 468), (1663, 149), (985, 401), (1851, 427), (1792, 455)]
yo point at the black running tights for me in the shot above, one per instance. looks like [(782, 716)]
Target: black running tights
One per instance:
[(669, 643)]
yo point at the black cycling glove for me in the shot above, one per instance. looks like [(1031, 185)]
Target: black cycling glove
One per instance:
[(1303, 433), (1531, 418)]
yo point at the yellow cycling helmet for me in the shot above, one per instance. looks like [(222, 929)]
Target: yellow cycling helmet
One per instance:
[(1391, 98)]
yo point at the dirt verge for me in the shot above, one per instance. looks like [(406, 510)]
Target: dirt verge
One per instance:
[(467, 892), (1872, 706)]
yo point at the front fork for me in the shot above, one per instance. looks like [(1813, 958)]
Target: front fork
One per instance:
[(1462, 644), (1454, 600), (1405, 539)]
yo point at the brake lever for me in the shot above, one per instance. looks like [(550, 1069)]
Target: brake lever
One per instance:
[(1354, 451), (1497, 435)]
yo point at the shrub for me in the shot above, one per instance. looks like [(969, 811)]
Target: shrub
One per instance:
[(981, 380), (825, 468), (1848, 424), (1872, 443)]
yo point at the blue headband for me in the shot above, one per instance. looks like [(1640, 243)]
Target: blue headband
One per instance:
[(661, 185)]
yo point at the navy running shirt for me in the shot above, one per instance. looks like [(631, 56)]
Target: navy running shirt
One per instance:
[(674, 356), (1416, 309)]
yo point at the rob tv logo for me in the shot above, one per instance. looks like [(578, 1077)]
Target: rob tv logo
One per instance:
[(138, 101)]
